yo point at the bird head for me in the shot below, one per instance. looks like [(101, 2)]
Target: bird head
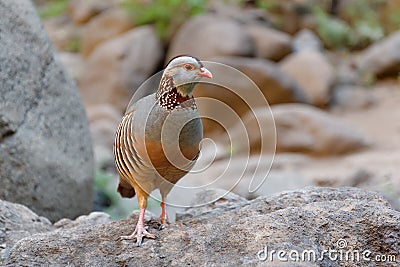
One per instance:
[(184, 72)]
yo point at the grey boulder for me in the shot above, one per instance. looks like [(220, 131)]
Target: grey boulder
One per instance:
[(46, 160), (382, 58)]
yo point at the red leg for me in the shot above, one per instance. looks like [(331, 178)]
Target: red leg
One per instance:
[(163, 216)]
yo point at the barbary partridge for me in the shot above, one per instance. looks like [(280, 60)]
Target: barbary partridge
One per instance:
[(156, 131)]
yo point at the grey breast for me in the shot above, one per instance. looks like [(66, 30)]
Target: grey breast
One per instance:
[(181, 125)]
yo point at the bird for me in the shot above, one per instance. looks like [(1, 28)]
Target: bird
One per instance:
[(157, 140)]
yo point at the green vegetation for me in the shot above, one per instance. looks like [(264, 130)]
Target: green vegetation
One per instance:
[(356, 26), (73, 45), (334, 32), (268, 5), (166, 15), (53, 8), (394, 19), (106, 184)]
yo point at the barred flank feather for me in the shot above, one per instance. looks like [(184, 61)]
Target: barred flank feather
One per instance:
[(126, 157)]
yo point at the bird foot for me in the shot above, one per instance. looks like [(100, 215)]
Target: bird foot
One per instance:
[(139, 233), (163, 222), (158, 223)]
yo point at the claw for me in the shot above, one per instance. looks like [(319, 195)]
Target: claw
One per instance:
[(140, 232), (139, 237), (163, 222)]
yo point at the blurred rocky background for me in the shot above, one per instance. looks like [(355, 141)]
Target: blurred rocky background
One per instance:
[(328, 68)]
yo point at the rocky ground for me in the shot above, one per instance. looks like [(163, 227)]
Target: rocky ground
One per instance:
[(231, 231)]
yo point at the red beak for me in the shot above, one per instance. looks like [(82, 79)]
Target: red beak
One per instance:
[(205, 73)]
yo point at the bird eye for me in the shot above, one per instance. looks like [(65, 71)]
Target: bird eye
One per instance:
[(188, 67)]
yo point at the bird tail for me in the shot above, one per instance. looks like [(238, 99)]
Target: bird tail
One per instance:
[(125, 189)]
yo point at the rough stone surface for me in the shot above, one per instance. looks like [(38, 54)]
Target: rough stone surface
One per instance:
[(303, 128), (229, 201), (208, 36), (46, 159), (17, 222), (94, 218), (313, 72), (103, 27), (311, 219), (269, 43), (382, 58), (117, 67)]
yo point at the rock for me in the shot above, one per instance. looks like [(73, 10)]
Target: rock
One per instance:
[(108, 115), (260, 133), (17, 222), (306, 40), (249, 176), (103, 134), (229, 201), (208, 36), (82, 11), (242, 15), (358, 178), (46, 160), (293, 15), (269, 43), (300, 128), (73, 63), (351, 97), (312, 219), (382, 58), (272, 84), (94, 218), (117, 67), (313, 72), (303, 128), (291, 161), (64, 35), (347, 73), (104, 120), (103, 27), (276, 87), (103, 112)]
